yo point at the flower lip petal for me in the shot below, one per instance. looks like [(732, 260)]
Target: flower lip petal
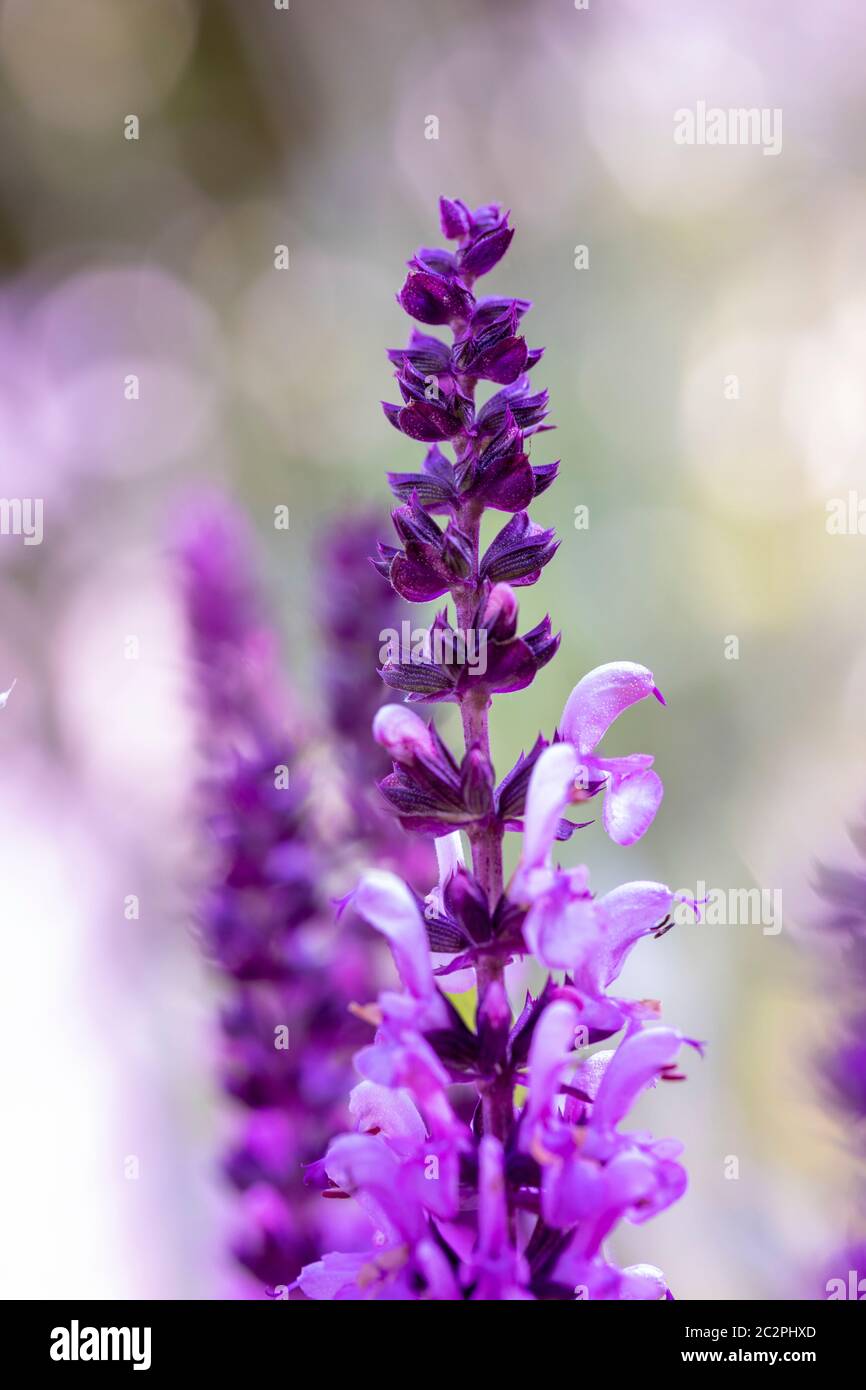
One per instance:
[(384, 901), (449, 855), (636, 1064), (550, 1052), (629, 912), (550, 790), (389, 1112), (630, 805), (600, 697)]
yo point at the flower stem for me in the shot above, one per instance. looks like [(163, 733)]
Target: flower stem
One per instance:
[(486, 842)]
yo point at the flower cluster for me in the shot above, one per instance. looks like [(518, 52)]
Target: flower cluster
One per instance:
[(470, 1193)]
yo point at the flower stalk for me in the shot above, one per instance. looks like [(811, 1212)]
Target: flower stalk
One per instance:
[(470, 1195)]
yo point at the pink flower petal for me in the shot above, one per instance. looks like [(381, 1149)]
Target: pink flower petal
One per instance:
[(627, 913), (636, 1064), (384, 901), (630, 805), (600, 697), (550, 790), (550, 1052), (391, 1113)]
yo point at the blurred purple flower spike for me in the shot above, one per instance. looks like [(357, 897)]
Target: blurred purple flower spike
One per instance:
[(287, 1032)]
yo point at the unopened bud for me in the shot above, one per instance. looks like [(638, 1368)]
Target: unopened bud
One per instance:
[(402, 734), (500, 613), (476, 782), (494, 1022)]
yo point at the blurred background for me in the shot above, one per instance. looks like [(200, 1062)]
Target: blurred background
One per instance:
[(705, 358)]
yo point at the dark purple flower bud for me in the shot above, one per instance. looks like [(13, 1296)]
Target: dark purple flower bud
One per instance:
[(476, 783), (433, 560), (525, 1024), (414, 526), (455, 218), (427, 421), (519, 553), (466, 904), (432, 298), (455, 1045), (527, 410), (544, 476), (437, 260), (500, 476), (485, 250), (510, 488), (447, 663), (432, 795), (499, 613), (426, 792), (457, 553), (423, 681), (486, 216), (492, 349), (422, 804), (503, 362), (490, 308), (542, 642), (511, 792), (435, 489), (434, 408), (494, 1024), (427, 355)]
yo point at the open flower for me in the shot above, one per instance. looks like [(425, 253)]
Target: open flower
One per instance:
[(565, 926), (594, 1176), (633, 792)]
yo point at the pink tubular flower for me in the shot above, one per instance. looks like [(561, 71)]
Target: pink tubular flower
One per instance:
[(565, 926), (633, 792), (606, 1176)]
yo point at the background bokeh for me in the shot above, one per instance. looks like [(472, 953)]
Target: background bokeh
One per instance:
[(154, 257)]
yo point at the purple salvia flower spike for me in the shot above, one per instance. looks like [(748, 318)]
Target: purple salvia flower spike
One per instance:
[(496, 1202)]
